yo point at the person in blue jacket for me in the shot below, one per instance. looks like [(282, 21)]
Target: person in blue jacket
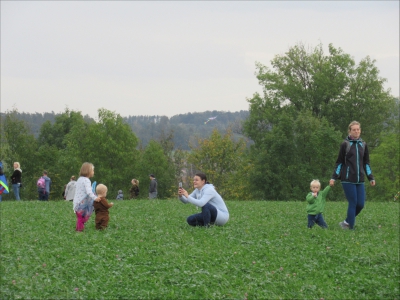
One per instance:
[(3, 182), (213, 208), (352, 166)]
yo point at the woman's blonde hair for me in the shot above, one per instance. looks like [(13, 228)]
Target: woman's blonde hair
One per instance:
[(354, 123), (86, 169), (18, 165), (135, 182)]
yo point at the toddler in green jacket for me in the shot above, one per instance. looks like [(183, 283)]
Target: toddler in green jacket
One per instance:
[(316, 204)]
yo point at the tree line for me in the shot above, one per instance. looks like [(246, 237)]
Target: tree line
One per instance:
[(67, 140), (290, 135), (147, 128)]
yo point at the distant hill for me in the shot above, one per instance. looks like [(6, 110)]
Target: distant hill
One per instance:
[(36, 120), (185, 128)]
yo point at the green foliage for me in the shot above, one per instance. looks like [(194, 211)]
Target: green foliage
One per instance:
[(295, 127), (180, 159), (265, 251), (309, 100), (63, 146), (54, 134), (219, 157), (238, 184), (19, 145), (330, 86), (146, 128), (305, 80), (386, 169), (33, 120), (184, 126), (109, 144), (154, 161), (292, 153)]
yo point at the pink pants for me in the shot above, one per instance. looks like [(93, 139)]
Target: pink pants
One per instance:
[(80, 221)]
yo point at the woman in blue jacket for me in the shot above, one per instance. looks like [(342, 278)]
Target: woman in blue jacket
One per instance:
[(213, 208), (352, 165)]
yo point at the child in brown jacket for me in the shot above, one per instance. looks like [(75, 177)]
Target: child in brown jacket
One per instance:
[(101, 207)]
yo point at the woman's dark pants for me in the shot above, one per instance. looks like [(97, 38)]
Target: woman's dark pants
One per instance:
[(205, 218), (355, 195)]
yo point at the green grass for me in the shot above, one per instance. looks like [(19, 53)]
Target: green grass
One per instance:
[(264, 252)]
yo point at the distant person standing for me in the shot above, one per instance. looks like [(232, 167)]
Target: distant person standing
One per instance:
[(153, 187), (134, 190), (16, 180), (70, 189), (44, 189), (3, 182)]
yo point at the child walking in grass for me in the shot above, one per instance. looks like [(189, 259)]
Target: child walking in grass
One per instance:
[(101, 207), (316, 204), (84, 196)]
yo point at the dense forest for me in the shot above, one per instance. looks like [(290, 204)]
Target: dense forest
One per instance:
[(186, 128), (289, 136)]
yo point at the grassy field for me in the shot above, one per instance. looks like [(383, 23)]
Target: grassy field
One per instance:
[(264, 252)]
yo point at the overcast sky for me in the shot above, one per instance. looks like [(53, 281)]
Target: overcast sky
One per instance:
[(167, 58)]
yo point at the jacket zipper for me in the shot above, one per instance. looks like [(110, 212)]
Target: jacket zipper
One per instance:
[(358, 165)]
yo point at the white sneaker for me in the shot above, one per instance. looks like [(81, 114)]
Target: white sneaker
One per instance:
[(344, 225)]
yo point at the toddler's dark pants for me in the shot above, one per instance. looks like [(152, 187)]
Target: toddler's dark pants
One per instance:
[(102, 219), (316, 219)]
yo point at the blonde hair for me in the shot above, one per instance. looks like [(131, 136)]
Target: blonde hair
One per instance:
[(315, 181), (18, 165), (101, 189), (86, 169), (135, 182), (354, 123), (73, 177)]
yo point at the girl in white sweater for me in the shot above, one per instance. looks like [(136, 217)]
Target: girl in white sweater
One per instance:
[(84, 196)]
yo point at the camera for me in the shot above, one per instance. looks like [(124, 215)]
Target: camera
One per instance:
[(180, 185)]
